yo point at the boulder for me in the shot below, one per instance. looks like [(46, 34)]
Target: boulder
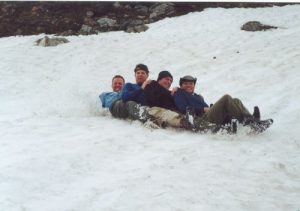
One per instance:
[(107, 24), (256, 26), (162, 10), (89, 13), (141, 10), (137, 29), (85, 30), (135, 25), (46, 41), (117, 5)]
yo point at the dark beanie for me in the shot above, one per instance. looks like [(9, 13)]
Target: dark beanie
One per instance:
[(164, 74), (141, 67)]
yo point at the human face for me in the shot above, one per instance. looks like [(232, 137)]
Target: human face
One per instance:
[(117, 84), (188, 86), (140, 76), (165, 82)]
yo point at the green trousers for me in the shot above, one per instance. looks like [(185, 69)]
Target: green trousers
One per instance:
[(224, 108)]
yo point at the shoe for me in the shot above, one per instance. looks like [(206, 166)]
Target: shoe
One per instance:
[(260, 126), (256, 113), (233, 126)]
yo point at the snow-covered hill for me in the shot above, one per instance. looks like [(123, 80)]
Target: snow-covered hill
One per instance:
[(59, 152)]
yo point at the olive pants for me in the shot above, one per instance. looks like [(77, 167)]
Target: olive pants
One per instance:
[(226, 107)]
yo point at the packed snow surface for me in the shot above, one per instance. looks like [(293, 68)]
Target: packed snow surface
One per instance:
[(60, 151)]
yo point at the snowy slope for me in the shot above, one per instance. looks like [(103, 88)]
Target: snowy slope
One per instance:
[(59, 151)]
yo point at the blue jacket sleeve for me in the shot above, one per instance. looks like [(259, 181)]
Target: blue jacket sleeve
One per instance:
[(102, 98), (204, 104), (130, 91)]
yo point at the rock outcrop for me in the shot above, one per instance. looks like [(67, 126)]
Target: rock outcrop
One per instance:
[(74, 18)]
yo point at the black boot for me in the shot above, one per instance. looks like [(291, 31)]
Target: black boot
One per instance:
[(257, 126), (256, 113)]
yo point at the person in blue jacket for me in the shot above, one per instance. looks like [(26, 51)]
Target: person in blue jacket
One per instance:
[(132, 96), (134, 92), (108, 98), (186, 99)]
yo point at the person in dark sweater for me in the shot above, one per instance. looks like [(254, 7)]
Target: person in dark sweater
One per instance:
[(157, 92)]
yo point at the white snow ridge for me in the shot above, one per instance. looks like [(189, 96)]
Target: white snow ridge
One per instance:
[(59, 153)]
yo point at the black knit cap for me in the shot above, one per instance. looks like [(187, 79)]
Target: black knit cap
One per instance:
[(164, 74), (187, 78), (141, 67)]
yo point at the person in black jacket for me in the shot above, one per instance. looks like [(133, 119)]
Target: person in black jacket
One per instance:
[(157, 92)]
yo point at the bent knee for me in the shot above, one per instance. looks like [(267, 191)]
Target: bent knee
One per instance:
[(227, 96)]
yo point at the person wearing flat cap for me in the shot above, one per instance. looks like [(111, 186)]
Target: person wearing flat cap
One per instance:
[(185, 97), (225, 109)]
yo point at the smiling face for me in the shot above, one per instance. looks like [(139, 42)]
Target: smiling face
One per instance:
[(140, 76), (188, 86), (165, 82), (117, 84)]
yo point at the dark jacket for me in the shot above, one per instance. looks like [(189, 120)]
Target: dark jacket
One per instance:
[(157, 95), (133, 92), (184, 100)]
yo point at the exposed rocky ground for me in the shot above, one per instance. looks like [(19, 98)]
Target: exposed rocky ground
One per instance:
[(73, 18)]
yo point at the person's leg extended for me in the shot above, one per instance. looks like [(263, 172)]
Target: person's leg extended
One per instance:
[(226, 106), (136, 111), (167, 117), (119, 110)]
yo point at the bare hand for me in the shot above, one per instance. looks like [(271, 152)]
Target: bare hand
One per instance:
[(174, 90), (146, 83), (205, 109)]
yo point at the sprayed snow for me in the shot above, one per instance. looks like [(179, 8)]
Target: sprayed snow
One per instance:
[(60, 151)]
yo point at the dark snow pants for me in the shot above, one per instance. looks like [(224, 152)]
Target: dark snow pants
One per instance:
[(122, 110)]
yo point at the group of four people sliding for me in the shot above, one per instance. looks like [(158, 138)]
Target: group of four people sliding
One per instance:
[(152, 100)]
